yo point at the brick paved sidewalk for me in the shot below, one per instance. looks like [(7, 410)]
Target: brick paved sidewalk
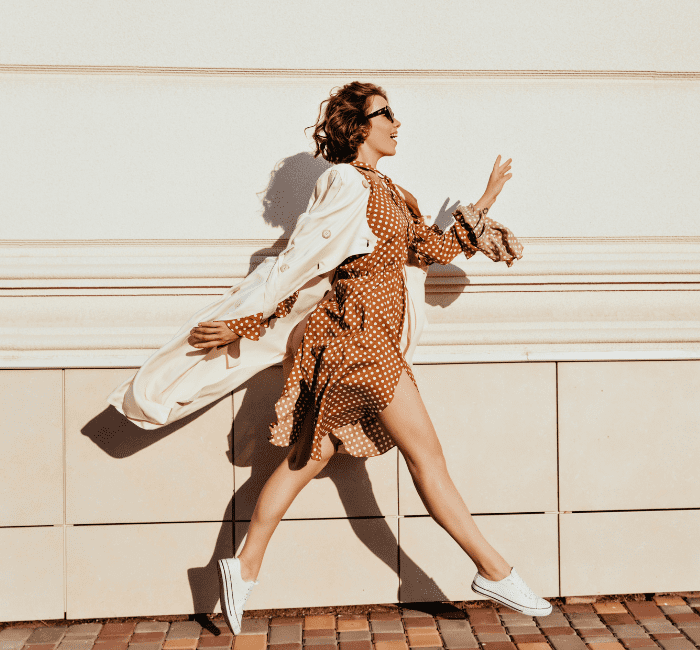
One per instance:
[(668, 622)]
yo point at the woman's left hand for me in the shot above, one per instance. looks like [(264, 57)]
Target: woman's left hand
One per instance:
[(497, 179), (211, 334)]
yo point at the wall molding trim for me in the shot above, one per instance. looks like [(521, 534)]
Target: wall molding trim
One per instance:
[(344, 72), (107, 303)]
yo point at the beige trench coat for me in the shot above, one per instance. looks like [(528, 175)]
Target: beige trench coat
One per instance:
[(178, 379)]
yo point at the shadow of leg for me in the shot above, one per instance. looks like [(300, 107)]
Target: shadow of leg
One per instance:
[(357, 495)]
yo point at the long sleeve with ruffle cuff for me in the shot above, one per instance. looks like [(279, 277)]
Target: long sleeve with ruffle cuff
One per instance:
[(488, 236), (250, 327)]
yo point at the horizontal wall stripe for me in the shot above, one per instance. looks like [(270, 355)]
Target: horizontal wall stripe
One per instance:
[(347, 72)]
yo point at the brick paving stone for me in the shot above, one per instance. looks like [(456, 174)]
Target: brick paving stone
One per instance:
[(500, 645), (492, 638), (534, 646), (606, 644), (45, 635), (618, 619), (677, 609), (353, 624), (553, 620), (211, 641), (639, 643), (594, 631), (454, 625), (388, 645), (110, 644), (628, 631), (694, 634), (84, 629), (117, 629), (577, 609), (609, 607), (658, 626), (324, 646), (523, 629), (76, 644), (285, 646), (43, 646), (143, 627), (435, 647), (11, 644), (408, 613), (670, 635), (16, 633), (669, 600), (180, 644), (151, 645), (321, 622), (684, 617), (284, 634), (315, 634), (355, 635), (385, 616), (324, 641), (425, 641), (146, 637), (489, 629), (419, 622), (292, 620), (567, 643), (250, 626), (357, 645), (587, 623), (389, 636), (644, 609), (558, 631), (456, 639), (528, 638), (184, 630), (250, 642), (484, 617), (677, 644), (386, 626)]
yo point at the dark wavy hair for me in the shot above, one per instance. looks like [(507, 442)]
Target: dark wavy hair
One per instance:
[(342, 125)]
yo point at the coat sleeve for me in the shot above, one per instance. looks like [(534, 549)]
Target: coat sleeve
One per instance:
[(328, 232)]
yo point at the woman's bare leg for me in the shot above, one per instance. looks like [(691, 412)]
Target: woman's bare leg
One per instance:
[(277, 495), (407, 421)]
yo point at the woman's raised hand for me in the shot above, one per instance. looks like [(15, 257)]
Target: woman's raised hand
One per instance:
[(211, 334), (497, 180)]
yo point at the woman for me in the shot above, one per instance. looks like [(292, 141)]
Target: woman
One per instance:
[(346, 287)]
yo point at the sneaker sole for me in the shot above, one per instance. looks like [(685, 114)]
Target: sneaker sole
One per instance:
[(509, 603), (224, 590)]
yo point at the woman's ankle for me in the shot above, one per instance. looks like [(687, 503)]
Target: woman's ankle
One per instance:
[(494, 573), (247, 572)]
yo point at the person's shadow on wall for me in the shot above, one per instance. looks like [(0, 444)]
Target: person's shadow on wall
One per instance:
[(285, 198)]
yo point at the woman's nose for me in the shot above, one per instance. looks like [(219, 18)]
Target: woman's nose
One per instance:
[(397, 124)]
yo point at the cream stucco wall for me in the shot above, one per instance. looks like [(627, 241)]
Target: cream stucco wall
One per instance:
[(154, 152)]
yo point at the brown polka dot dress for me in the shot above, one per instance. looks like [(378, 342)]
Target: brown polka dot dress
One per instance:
[(350, 359)]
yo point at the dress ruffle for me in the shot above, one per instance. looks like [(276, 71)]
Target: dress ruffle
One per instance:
[(251, 326), (490, 237)]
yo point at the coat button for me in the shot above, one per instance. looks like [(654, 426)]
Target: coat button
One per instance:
[(283, 268), (326, 234), (365, 182)]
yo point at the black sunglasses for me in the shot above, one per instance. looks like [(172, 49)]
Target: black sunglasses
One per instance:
[(384, 111)]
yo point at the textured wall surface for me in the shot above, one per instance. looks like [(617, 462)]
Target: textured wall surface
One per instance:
[(154, 152)]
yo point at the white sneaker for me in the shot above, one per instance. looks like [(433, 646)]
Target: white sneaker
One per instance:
[(233, 591), (512, 592)]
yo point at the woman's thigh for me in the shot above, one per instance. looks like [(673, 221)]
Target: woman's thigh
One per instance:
[(407, 421)]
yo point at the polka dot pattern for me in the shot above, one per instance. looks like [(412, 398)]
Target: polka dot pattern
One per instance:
[(251, 326), (349, 362)]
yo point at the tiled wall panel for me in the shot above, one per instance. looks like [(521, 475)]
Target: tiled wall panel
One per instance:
[(118, 472), (497, 426), (144, 569), (629, 435), (31, 573), (629, 552), (347, 487), (331, 561), (31, 447), (434, 567)]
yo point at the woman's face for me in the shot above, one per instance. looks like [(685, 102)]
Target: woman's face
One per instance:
[(381, 140)]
